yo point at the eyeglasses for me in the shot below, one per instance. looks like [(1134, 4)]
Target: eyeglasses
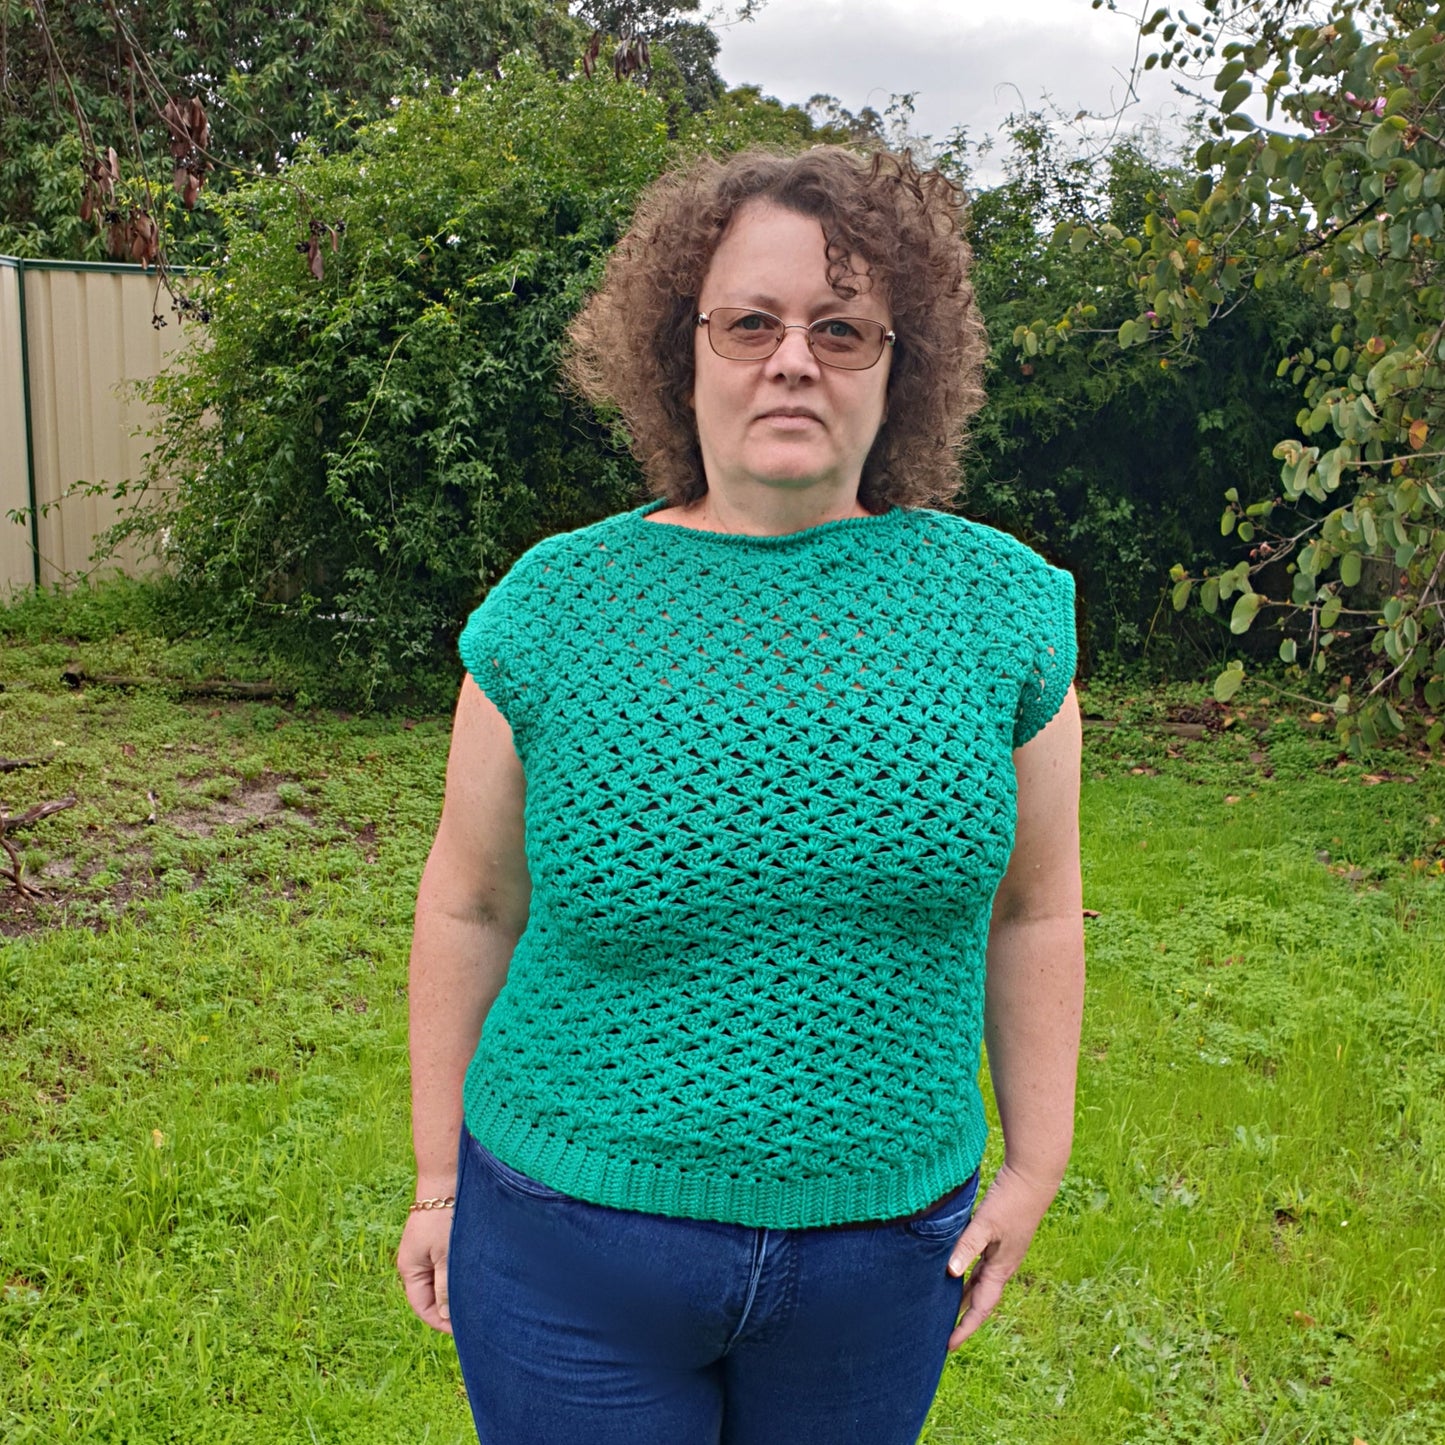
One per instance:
[(851, 343)]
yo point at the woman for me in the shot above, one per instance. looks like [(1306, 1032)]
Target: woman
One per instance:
[(799, 761)]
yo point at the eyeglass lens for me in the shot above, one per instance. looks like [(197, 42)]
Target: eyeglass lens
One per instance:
[(743, 335)]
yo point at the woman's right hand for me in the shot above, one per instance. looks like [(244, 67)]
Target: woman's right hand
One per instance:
[(421, 1260)]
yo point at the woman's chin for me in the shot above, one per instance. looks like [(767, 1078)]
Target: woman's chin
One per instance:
[(788, 466)]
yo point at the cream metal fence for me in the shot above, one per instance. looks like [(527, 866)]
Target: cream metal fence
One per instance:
[(74, 338)]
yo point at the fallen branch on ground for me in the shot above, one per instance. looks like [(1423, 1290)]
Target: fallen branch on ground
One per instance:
[(9, 822), (198, 687), (1196, 732), (12, 765)]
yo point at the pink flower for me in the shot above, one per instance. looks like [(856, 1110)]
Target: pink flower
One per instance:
[(1323, 121), (1379, 106)]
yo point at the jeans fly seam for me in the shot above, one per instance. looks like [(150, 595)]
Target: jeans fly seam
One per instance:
[(760, 1253)]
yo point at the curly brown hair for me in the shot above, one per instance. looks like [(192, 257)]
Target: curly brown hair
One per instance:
[(631, 346)]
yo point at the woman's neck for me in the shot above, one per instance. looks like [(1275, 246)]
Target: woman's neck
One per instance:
[(713, 513)]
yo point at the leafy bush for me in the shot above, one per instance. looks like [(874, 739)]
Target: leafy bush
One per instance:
[(1337, 198), (356, 457), (1104, 460)]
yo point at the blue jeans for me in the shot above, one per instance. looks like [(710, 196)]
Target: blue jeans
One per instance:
[(577, 1324)]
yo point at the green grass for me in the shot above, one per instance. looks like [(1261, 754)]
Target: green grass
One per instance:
[(204, 1158), (1247, 1245)]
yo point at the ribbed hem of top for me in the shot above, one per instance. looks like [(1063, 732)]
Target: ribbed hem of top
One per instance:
[(822, 530), (589, 1173)]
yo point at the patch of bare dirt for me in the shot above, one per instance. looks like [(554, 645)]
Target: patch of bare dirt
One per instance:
[(254, 803), (70, 900)]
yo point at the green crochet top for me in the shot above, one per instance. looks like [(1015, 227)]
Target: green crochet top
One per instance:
[(770, 796)]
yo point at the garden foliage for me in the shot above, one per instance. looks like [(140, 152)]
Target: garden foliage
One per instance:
[(1100, 458), (267, 74), (352, 458), (358, 456), (1337, 192)]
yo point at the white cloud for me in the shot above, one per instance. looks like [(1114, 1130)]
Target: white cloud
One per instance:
[(970, 65)]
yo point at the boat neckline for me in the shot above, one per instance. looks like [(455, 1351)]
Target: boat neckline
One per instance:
[(639, 516)]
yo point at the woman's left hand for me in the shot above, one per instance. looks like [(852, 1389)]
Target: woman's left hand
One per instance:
[(997, 1237)]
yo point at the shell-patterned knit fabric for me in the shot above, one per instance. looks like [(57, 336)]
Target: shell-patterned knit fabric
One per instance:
[(770, 796)]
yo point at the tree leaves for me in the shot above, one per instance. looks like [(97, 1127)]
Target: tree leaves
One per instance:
[(1228, 682), (1244, 610), (244, 83), (1340, 200), (1235, 96)]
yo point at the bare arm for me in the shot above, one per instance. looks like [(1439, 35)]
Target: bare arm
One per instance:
[(1033, 1007), (471, 908)]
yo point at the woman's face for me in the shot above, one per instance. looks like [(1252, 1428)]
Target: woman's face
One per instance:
[(786, 421)]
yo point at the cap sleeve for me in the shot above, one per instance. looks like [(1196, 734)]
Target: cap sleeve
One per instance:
[(1046, 616), (499, 638)]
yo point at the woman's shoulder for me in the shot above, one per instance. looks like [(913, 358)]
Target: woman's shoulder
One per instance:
[(981, 545), (554, 552)]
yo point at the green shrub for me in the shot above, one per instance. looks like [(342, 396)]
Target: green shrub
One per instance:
[(355, 458)]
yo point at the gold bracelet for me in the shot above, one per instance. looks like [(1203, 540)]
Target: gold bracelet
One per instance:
[(446, 1203)]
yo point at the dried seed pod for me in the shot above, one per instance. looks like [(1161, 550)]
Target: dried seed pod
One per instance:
[(180, 134), (200, 126), (144, 239)]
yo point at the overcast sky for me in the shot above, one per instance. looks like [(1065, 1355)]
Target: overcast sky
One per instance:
[(971, 62)]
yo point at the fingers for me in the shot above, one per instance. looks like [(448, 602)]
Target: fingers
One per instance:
[(440, 1278), (423, 1301), (991, 1249), (981, 1293), (418, 1280), (422, 1265), (968, 1246)]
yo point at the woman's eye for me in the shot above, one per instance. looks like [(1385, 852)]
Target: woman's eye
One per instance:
[(840, 331), (751, 322)]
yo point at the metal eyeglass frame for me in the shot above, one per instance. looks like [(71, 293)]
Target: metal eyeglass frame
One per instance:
[(890, 338)]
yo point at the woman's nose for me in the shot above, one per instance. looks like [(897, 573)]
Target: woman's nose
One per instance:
[(794, 355)]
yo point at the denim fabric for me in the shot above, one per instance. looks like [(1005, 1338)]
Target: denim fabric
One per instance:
[(578, 1324)]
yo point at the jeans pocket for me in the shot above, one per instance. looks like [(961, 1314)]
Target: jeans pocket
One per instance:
[(948, 1219), (514, 1179)]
